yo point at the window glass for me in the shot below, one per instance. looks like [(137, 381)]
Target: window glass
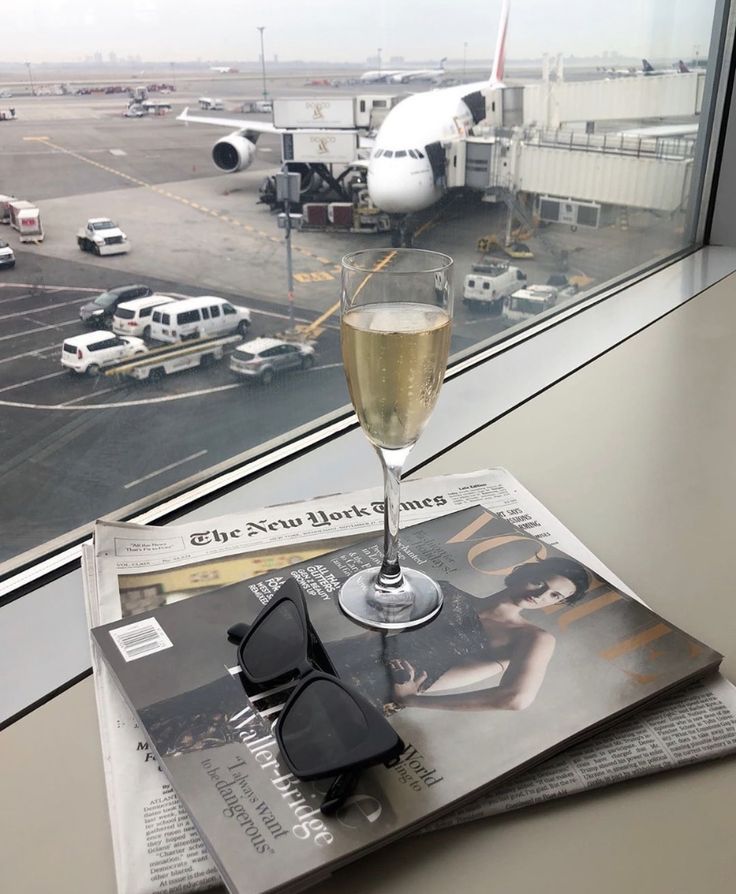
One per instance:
[(125, 313), (581, 169)]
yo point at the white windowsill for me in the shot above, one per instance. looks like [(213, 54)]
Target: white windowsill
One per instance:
[(43, 636)]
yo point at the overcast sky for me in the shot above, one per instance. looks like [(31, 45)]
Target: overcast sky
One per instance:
[(348, 30)]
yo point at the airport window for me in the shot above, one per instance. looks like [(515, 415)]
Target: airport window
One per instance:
[(556, 185)]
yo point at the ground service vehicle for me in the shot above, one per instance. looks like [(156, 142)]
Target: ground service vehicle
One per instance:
[(103, 237), (134, 317), (26, 219), (202, 317), (90, 352), (7, 258), (209, 104), (489, 289), (528, 302), (163, 361), (262, 358), (100, 310), (518, 250)]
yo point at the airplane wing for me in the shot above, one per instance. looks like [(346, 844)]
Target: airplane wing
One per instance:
[(231, 123)]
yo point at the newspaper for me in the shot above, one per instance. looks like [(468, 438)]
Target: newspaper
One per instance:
[(155, 845)]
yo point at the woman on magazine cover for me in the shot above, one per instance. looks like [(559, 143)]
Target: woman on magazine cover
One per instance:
[(487, 643)]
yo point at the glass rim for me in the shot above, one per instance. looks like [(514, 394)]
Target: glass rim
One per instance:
[(351, 261)]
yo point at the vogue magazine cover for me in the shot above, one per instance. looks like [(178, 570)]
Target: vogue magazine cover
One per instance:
[(530, 651)]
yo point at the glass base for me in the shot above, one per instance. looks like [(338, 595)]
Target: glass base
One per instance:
[(414, 603)]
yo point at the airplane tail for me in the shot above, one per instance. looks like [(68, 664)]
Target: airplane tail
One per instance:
[(499, 57), (682, 68), (441, 66), (646, 66)]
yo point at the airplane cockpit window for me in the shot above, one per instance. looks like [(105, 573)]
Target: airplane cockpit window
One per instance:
[(413, 153), (401, 153), (420, 153), (378, 153), (389, 153)]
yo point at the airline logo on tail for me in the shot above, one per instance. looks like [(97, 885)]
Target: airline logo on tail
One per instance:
[(499, 58)]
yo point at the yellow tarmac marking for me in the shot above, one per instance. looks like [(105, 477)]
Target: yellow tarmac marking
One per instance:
[(233, 221), (35, 139)]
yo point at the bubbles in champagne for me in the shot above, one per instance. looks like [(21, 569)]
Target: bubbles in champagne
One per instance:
[(395, 357)]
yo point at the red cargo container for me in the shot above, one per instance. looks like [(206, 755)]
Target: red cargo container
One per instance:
[(315, 214), (341, 214)]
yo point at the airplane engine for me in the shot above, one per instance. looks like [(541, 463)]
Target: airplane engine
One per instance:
[(233, 153)]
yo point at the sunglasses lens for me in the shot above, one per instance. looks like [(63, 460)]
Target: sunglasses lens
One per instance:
[(276, 644), (323, 727)]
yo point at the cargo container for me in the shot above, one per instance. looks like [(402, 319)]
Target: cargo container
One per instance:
[(314, 147), (26, 219), (315, 112), (340, 214)]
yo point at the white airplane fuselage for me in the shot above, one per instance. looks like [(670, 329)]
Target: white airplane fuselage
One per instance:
[(401, 181)]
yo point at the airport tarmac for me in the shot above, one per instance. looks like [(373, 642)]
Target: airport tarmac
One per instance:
[(93, 446)]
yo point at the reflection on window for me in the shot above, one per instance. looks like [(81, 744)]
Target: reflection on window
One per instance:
[(579, 169)]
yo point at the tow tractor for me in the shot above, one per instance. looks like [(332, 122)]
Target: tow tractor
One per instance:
[(160, 362)]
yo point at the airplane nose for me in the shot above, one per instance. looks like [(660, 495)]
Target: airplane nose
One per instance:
[(399, 191)]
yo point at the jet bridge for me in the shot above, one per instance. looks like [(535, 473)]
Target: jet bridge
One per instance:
[(608, 169)]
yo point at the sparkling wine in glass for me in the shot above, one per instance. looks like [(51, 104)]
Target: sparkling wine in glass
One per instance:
[(395, 334)]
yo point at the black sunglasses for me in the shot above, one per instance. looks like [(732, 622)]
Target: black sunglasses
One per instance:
[(326, 728)]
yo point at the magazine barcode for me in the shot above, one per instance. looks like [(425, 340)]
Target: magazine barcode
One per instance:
[(140, 638)]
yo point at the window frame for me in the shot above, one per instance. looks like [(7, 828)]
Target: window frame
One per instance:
[(322, 457)]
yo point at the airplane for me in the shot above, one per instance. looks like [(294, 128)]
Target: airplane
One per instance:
[(420, 74), (379, 76), (223, 69), (406, 169), (648, 69)]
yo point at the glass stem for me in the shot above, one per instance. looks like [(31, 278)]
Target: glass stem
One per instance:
[(392, 461)]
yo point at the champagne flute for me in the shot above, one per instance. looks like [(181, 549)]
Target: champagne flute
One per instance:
[(395, 334)]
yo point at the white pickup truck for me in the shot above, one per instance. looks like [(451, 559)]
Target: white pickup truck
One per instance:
[(103, 237)]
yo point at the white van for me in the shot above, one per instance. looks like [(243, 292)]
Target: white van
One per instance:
[(202, 317), (134, 317), (490, 288), (90, 352)]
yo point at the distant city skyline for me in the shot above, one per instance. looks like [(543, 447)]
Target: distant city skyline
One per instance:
[(176, 30)]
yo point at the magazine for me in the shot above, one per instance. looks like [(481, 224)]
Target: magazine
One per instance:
[(155, 845), (510, 661)]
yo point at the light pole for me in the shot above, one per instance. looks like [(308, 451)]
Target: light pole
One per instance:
[(465, 53), (379, 60), (262, 28), (30, 78)]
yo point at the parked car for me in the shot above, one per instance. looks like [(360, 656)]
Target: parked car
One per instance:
[(91, 352), (100, 310), (205, 316), (134, 317), (7, 258), (262, 358)]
